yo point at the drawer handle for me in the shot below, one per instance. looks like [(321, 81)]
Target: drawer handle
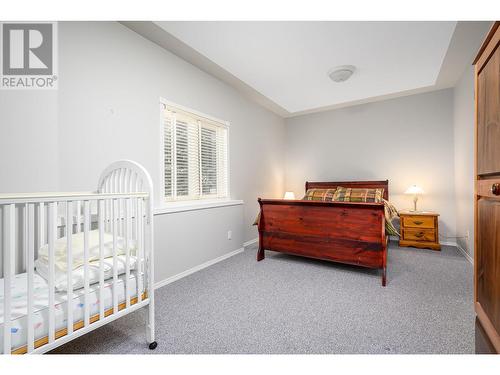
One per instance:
[(419, 234), (495, 189), (418, 222)]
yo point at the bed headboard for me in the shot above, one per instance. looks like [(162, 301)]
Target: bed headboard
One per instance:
[(125, 176), (351, 184)]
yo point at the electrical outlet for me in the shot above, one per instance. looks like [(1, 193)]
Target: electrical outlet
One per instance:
[(229, 234), (467, 235)]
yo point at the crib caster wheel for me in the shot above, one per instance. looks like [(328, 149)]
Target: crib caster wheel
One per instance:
[(153, 345)]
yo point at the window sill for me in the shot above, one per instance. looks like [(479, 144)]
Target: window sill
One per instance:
[(174, 207)]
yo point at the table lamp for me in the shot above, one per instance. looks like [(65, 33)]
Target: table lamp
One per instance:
[(289, 195), (415, 190)]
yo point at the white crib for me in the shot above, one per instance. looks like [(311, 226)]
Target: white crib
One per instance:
[(73, 262)]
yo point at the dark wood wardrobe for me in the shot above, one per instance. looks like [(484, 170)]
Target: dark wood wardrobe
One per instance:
[(487, 194)]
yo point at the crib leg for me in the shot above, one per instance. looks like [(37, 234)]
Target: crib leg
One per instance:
[(150, 325)]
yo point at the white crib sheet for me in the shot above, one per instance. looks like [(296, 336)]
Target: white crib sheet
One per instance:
[(19, 306)]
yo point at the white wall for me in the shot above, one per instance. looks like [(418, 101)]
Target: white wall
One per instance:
[(111, 82), (195, 237), (107, 108), (28, 141), (28, 147), (463, 121), (464, 138), (407, 140)]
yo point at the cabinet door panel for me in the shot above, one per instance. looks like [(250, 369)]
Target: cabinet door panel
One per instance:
[(488, 120), (488, 258)]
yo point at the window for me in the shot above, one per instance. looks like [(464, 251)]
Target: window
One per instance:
[(195, 155)]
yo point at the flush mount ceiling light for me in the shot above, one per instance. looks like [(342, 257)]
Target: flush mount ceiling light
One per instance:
[(341, 73)]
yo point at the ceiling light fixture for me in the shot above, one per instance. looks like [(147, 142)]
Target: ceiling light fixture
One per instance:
[(341, 73)]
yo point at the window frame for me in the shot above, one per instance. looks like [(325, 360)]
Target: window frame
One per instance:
[(203, 198)]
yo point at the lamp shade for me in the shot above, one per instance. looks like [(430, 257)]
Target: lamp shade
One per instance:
[(414, 189), (289, 195)]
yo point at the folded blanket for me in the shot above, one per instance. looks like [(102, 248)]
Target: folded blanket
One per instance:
[(390, 214), (61, 277), (60, 248)]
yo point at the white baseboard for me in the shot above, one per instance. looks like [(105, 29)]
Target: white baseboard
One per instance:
[(190, 271), (465, 254), (248, 243), (448, 243)]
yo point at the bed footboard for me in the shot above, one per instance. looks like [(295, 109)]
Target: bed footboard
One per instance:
[(344, 232)]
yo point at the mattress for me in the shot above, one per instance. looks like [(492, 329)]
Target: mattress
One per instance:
[(19, 305)]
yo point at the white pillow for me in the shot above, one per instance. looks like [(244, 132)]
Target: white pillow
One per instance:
[(61, 278)]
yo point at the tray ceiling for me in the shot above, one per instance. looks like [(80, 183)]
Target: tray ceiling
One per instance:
[(288, 62)]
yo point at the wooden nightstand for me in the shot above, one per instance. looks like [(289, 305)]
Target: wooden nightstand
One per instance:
[(419, 229)]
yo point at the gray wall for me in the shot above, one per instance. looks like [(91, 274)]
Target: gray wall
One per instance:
[(111, 82), (107, 108), (28, 149), (28, 141), (195, 237), (464, 138), (463, 121), (406, 140)]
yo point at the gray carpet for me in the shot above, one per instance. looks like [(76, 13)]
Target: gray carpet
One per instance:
[(288, 304)]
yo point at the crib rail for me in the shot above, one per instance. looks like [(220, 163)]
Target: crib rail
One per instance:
[(64, 197), (33, 221)]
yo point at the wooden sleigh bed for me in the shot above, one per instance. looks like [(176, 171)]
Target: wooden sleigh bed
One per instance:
[(344, 232)]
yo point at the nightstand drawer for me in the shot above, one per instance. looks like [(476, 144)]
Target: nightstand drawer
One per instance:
[(415, 234), (418, 221)]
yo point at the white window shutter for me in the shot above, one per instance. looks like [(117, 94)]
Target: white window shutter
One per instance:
[(195, 155), (208, 149), (168, 150), (222, 162)]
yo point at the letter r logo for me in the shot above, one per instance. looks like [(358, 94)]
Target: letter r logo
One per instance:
[(27, 49)]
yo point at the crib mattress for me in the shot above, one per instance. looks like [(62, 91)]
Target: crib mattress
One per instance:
[(19, 305)]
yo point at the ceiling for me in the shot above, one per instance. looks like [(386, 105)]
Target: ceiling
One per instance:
[(284, 65)]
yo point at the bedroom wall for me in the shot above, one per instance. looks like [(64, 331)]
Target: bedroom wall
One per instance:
[(463, 122), (28, 146), (126, 75), (107, 108), (28, 141), (407, 140)]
